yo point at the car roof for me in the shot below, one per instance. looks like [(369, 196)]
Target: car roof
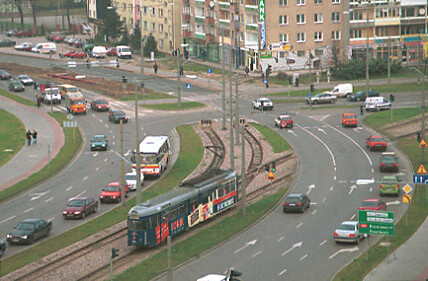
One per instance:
[(376, 137), (283, 116), (295, 195), (264, 99), (350, 222), (371, 199), (348, 114), (79, 198), (99, 136), (389, 178), (118, 111), (31, 220), (114, 183)]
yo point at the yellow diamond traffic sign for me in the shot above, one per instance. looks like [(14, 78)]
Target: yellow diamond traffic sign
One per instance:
[(421, 170), (423, 143), (407, 188), (407, 198)]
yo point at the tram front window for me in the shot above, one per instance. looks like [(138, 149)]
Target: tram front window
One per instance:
[(137, 225)]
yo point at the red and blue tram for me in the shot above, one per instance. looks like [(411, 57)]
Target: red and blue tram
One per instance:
[(193, 202)]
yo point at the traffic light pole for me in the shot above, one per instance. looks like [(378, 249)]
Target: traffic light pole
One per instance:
[(243, 182)]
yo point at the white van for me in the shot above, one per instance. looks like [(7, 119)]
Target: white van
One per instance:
[(131, 180), (343, 90), (124, 52), (99, 52), (377, 103), (44, 48)]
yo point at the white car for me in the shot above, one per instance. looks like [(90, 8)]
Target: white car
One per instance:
[(348, 232), (131, 180), (377, 103), (27, 46), (263, 103), (213, 277), (322, 98), (26, 80)]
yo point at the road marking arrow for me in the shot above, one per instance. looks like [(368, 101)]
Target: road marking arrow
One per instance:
[(364, 181), (312, 186), (321, 130), (394, 203), (292, 248), (253, 242), (37, 195), (291, 131), (344, 250), (352, 187)]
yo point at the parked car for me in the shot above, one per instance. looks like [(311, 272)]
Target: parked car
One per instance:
[(100, 105), (389, 186), (348, 232), (361, 95), (115, 115), (373, 204), (74, 55), (342, 90), (78, 43), (26, 80), (11, 33), (349, 120), (112, 52), (284, 121), (28, 231), (50, 37), (4, 75), (296, 202), (59, 39), (25, 34), (7, 43), (44, 48), (87, 47), (263, 104), (376, 143), (322, 98), (131, 180), (124, 52), (99, 142), (388, 162), (16, 86), (112, 193), (80, 207), (27, 46), (98, 52)]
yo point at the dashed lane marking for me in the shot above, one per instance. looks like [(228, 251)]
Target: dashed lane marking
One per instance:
[(331, 188), (96, 170), (323, 242), (85, 178), (50, 199), (68, 188), (28, 210), (299, 225), (304, 257), (313, 213), (8, 219), (51, 219), (353, 216), (256, 254), (282, 272), (280, 239)]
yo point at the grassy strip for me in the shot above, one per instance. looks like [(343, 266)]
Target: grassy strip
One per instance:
[(416, 215), (279, 101), (174, 106), (201, 241), (147, 96), (380, 119), (64, 156), (278, 143), (200, 68), (12, 132), (330, 106), (191, 153), (16, 98)]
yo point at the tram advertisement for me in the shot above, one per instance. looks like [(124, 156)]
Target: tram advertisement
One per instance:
[(200, 214), (162, 231)]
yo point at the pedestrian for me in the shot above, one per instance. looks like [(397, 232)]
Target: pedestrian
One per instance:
[(247, 70), (29, 134), (34, 135), (38, 101), (263, 76), (361, 110), (155, 68)]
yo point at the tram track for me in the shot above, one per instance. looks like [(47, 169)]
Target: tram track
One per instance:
[(256, 155), (218, 150)]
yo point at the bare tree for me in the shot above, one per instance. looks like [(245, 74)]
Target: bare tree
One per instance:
[(336, 54), (33, 9), (68, 5), (18, 4)]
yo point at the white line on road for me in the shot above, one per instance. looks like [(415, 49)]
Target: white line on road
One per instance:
[(96, 170), (78, 195), (47, 200), (111, 131), (321, 130), (372, 170), (85, 178), (68, 188), (253, 242), (7, 219), (95, 154), (325, 198), (294, 246), (323, 242), (280, 239), (350, 250), (28, 210), (352, 187), (105, 160), (313, 213), (371, 189), (299, 225), (127, 153), (114, 137), (51, 219), (106, 125), (256, 254), (114, 143), (282, 272), (343, 181), (331, 188), (93, 115), (291, 131), (302, 258), (353, 216)]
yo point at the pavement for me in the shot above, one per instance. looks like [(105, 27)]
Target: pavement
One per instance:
[(31, 159)]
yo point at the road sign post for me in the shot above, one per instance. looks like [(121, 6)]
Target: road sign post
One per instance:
[(271, 177)]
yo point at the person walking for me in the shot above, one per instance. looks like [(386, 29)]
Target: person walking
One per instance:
[(34, 135), (247, 70), (28, 134), (39, 103), (155, 68)]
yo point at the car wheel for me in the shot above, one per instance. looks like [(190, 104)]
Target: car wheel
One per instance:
[(119, 199), (315, 102), (358, 240), (309, 204)]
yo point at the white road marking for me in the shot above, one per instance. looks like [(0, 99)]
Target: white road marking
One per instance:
[(68, 188), (95, 154), (256, 254), (353, 216), (331, 188), (371, 189), (7, 219), (114, 143), (96, 170), (335, 177), (37, 195), (114, 137), (292, 248), (106, 125), (291, 132), (393, 203), (319, 117), (343, 181), (28, 210), (280, 239), (253, 242), (282, 272), (323, 242), (51, 219), (343, 250), (313, 213), (105, 160), (78, 195), (93, 115), (312, 186), (322, 131), (302, 258), (111, 131), (351, 188), (307, 127), (364, 181), (314, 203), (85, 178), (372, 170), (325, 198), (299, 225), (47, 200), (128, 152)]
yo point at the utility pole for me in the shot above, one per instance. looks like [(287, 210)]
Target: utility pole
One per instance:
[(169, 270), (232, 153), (122, 166), (423, 118), (178, 78), (137, 148), (50, 78), (243, 182), (389, 67), (223, 86), (236, 110), (367, 56)]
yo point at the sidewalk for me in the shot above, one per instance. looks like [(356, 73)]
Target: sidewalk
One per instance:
[(409, 262), (31, 159)]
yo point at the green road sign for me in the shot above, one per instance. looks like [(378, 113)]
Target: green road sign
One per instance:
[(376, 222)]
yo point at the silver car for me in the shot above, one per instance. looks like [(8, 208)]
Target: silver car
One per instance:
[(322, 98), (348, 232)]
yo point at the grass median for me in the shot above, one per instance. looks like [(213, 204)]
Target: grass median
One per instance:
[(278, 143), (147, 96), (12, 132), (380, 119), (17, 98), (174, 106), (404, 229), (191, 152)]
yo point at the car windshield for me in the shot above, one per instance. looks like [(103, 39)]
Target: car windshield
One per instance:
[(285, 118), (369, 204), (119, 113), (25, 226), (73, 90), (51, 91), (148, 158), (378, 139), (345, 226), (131, 177), (388, 159), (76, 203), (16, 83), (389, 181), (112, 188), (101, 102), (264, 100), (99, 138), (76, 102), (126, 50), (293, 199), (24, 77)]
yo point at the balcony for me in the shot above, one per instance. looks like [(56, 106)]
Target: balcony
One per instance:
[(199, 19), (250, 9), (209, 20), (234, 7), (200, 2), (210, 38), (186, 17), (187, 33), (224, 5), (200, 35), (224, 23), (251, 26), (185, 2)]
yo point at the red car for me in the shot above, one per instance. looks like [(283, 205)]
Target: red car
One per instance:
[(376, 143), (74, 55), (373, 204), (112, 193), (349, 119), (100, 105), (112, 51), (284, 121), (78, 43), (80, 207), (59, 38), (25, 34)]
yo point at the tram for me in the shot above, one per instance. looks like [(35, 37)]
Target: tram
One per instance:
[(193, 202)]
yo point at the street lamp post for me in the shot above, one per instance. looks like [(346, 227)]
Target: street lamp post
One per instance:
[(367, 56), (223, 86)]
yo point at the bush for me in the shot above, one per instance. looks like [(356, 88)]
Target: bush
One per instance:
[(357, 69), (282, 76)]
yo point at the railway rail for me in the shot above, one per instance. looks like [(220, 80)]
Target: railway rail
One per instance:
[(217, 148)]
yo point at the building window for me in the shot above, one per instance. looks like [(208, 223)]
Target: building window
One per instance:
[(318, 18), (283, 37), (335, 35), (161, 43), (130, 8), (300, 53), (356, 15), (335, 2), (160, 13), (154, 26), (318, 36), (145, 25), (319, 52), (145, 10), (301, 2), (301, 37), (153, 11), (283, 19), (160, 27), (356, 33), (283, 2), (335, 17), (316, 2), (124, 6), (300, 19)]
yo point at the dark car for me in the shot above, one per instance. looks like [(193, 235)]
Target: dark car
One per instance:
[(100, 105), (2, 247), (296, 202), (112, 193), (28, 231), (11, 33), (115, 115), (16, 86), (99, 142), (4, 75), (7, 43), (80, 207), (388, 162), (361, 95)]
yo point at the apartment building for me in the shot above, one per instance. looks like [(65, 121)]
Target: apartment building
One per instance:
[(156, 17)]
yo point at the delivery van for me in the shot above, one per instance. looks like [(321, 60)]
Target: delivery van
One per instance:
[(377, 104), (342, 90), (67, 89), (123, 52), (44, 48)]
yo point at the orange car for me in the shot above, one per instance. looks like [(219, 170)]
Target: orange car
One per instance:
[(349, 120)]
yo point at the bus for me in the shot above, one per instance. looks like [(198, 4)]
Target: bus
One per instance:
[(193, 202), (155, 155)]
